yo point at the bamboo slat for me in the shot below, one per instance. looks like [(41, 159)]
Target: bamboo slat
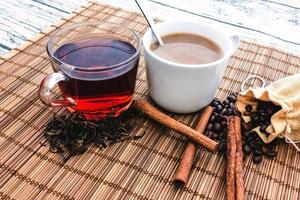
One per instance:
[(141, 169)]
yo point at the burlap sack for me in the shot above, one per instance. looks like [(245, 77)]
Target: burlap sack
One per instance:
[(285, 93)]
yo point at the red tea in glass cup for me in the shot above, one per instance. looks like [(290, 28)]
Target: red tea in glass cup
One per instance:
[(95, 66)]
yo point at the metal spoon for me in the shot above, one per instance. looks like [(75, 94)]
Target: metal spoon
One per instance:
[(151, 23)]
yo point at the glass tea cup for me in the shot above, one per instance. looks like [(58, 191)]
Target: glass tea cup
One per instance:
[(95, 67)]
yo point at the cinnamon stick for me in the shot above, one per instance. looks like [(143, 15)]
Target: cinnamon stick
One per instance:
[(231, 151), (185, 165), (235, 182), (158, 116), (187, 158), (239, 181)]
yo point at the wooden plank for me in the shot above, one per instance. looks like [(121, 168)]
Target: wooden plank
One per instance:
[(22, 19), (264, 21)]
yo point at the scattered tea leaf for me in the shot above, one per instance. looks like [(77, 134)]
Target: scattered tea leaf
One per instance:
[(73, 135)]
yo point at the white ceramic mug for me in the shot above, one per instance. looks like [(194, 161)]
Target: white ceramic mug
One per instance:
[(184, 88)]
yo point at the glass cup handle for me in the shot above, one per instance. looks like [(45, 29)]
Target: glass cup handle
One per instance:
[(46, 88)]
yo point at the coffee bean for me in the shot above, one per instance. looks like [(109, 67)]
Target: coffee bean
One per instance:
[(236, 113), (252, 114), (270, 146), (212, 118), (209, 127), (225, 102), (214, 104), (254, 134), (221, 135), (265, 150), (269, 111), (276, 109), (246, 149), (223, 140), (229, 111), (231, 105), (224, 111), (260, 111), (261, 105), (253, 144), (259, 142), (257, 159), (215, 136), (218, 118), (255, 119), (222, 148), (231, 98), (217, 127), (264, 118), (223, 123), (224, 117), (206, 133), (271, 154), (248, 140), (248, 108), (211, 134), (216, 100), (219, 108), (246, 134), (224, 129), (252, 138), (246, 113), (257, 152), (246, 127)]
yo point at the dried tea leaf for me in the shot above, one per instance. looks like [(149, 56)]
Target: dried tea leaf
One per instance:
[(73, 135)]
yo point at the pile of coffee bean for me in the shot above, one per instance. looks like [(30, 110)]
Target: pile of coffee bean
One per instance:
[(252, 143), (217, 127), (261, 118)]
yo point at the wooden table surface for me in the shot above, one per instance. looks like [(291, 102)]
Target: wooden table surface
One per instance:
[(275, 23)]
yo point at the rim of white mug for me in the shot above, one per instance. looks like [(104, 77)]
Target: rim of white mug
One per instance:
[(149, 33)]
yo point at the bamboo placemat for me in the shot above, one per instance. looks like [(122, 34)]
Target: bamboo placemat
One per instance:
[(141, 169)]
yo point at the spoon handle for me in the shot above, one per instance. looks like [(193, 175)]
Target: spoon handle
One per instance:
[(150, 22)]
